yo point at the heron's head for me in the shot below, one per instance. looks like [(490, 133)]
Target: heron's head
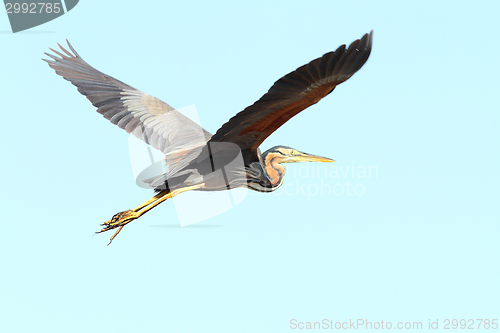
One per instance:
[(283, 154), (273, 172)]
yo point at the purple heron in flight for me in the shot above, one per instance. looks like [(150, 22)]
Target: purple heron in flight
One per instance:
[(192, 155)]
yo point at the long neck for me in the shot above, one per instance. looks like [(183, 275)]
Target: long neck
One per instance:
[(270, 173)]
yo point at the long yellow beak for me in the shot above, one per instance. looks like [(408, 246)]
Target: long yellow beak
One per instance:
[(311, 158)]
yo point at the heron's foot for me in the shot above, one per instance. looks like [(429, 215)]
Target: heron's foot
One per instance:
[(119, 220)]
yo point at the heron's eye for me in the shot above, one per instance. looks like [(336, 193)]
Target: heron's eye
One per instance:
[(294, 152)]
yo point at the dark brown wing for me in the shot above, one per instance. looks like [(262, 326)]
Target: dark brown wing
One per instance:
[(293, 93)]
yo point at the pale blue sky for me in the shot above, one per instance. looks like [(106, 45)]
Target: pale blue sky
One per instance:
[(420, 243)]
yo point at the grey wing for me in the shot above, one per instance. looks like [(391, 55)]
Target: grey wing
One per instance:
[(148, 118)]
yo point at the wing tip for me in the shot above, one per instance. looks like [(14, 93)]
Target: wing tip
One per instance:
[(67, 54)]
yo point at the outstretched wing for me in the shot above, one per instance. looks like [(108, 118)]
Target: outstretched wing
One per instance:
[(143, 115), (293, 93)]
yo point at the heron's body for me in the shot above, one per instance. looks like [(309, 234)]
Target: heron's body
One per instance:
[(196, 159)]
